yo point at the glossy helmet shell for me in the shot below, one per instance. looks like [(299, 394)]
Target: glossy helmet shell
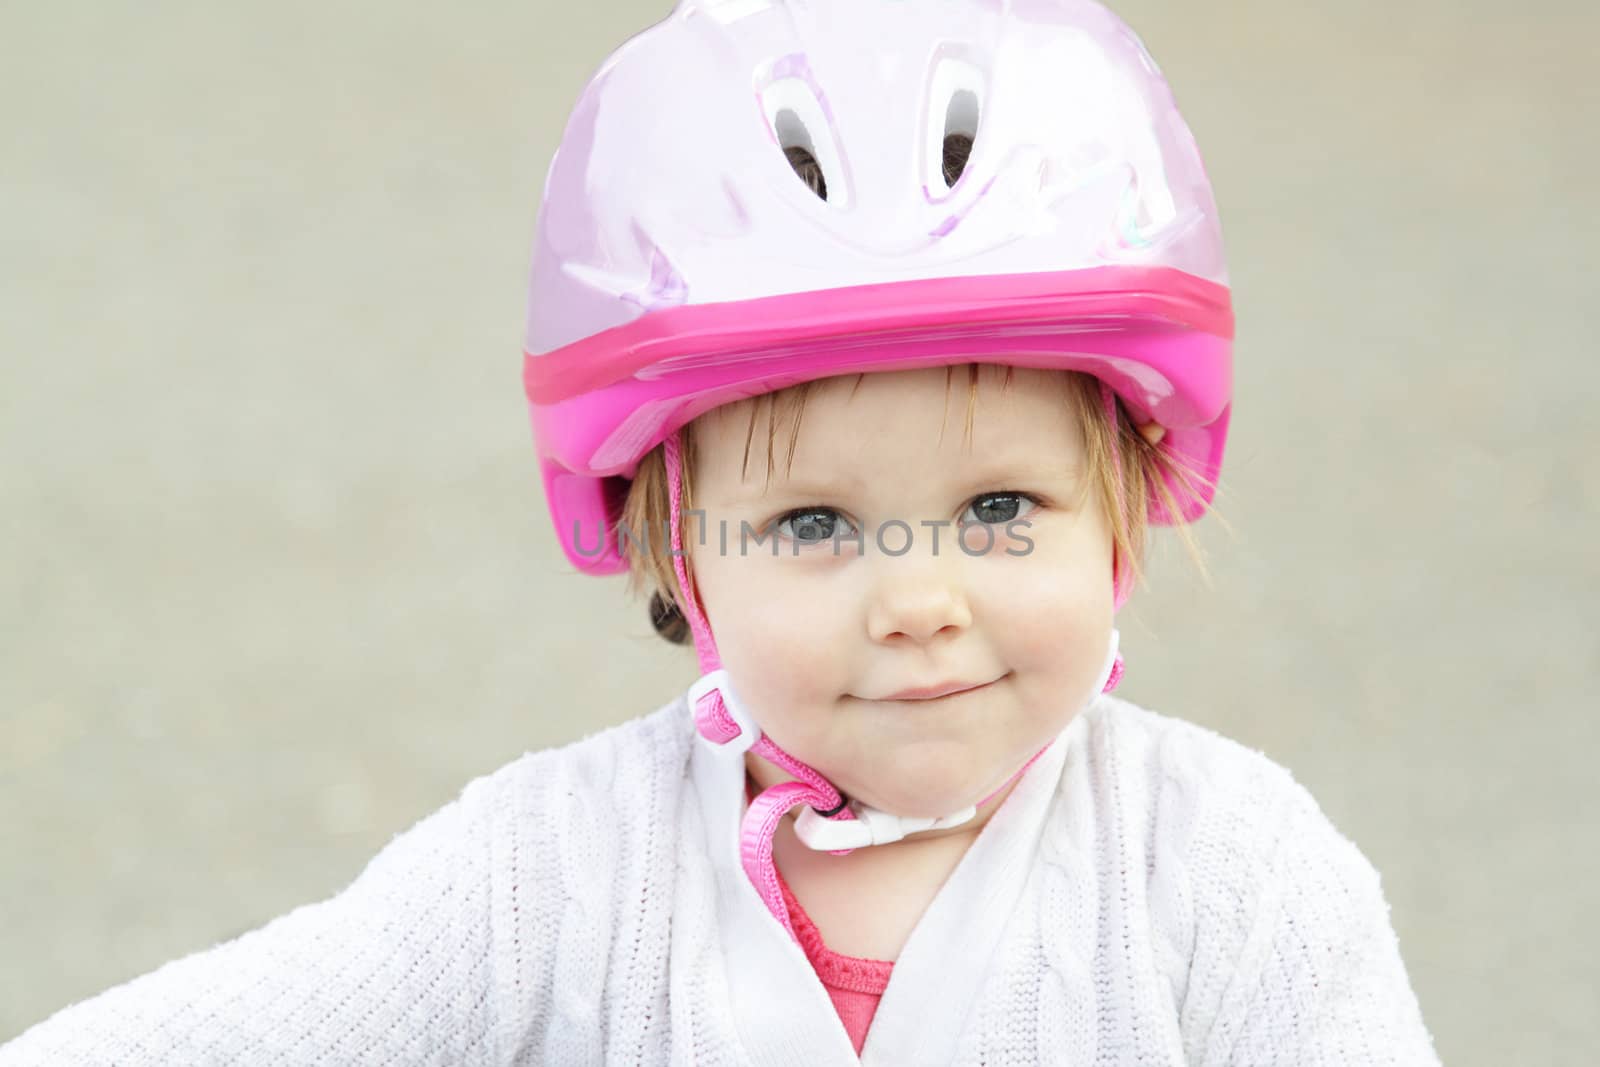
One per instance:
[(681, 263)]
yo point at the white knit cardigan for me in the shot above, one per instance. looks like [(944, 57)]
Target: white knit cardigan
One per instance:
[(1151, 893)]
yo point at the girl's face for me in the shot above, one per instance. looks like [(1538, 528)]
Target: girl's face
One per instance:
[(899, 567)]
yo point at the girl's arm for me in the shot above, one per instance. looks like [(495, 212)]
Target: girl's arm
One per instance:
[(394, 969), (1318, 978)]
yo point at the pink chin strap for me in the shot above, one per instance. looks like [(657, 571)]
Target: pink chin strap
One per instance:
[(825, 804)]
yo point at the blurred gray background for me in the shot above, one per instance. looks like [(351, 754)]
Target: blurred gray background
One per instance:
[(277, 577)]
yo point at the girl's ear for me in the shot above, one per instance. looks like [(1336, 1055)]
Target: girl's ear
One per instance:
[(1153, 432), (667, 620)]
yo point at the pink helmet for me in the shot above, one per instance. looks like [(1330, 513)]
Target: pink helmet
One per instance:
[(681, 263)]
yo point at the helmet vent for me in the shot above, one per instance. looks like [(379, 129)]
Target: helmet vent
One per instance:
[(960, 130), (801, 153)]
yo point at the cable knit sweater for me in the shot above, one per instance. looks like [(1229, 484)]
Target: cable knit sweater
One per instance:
[(1150, 893)]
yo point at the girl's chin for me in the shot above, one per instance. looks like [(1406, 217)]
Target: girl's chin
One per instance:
[(929, 788), (918, 785)]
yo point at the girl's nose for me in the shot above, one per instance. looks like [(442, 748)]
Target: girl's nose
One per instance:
[(917, 605)]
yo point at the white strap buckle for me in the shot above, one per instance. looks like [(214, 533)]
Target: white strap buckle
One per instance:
[(719, 680), (869, 827)]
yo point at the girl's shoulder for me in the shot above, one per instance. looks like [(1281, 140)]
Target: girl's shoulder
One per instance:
[(1271, 925), (1187, 796), (1227, 821), (630, 767), (659, 737), (1158, 753)]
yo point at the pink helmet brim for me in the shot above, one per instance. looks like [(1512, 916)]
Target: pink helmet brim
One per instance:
[(1159, 337)]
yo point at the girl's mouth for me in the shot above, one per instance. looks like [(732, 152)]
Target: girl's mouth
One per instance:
[(942, 689)]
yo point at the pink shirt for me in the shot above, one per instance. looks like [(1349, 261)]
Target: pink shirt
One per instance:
[(855, 985)]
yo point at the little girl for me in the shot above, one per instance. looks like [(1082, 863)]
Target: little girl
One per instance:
[(870, 336)]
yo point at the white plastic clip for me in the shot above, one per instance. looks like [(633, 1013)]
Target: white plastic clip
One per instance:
[(869, 827), (720, 681)]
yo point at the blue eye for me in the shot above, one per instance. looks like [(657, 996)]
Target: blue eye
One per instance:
[(810, 526), (994, 508)]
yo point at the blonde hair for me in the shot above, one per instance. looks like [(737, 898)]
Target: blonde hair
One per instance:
[(1145, 467)]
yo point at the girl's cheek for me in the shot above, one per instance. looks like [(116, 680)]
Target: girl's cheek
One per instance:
[(1057, 608), (783, 651), (1014, 540)]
